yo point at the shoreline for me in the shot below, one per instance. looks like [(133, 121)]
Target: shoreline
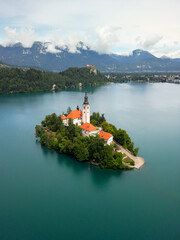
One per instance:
[(139, 161), (94, 85)]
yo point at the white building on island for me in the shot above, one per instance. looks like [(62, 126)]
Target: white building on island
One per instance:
[(82, 119), (89, 130), (75, 115)]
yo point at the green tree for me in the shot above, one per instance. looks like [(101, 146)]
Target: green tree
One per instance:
[(136, 151), (71, 129), (64, 146), (106, 158), (69, 110), (39, 131), (80, 151), (96, 148), (98, 118), (44, 138), (93, 122)]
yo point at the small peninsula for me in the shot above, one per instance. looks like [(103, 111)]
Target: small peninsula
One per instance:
[(89, 138)]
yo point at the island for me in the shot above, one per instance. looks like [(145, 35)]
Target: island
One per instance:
[(89, 138)]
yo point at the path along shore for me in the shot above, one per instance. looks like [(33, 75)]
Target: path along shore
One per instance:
[(139, 161)]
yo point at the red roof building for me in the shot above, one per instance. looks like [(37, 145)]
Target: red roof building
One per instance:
[(88, 127), (73, 115), (63, 117), (106, 136)]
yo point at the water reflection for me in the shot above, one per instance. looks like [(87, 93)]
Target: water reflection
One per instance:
[(90, 89), (100, 177)]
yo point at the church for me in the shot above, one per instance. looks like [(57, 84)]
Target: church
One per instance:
[(82, 119)]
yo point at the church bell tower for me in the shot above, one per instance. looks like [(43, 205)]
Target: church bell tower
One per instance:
[(86, 110)]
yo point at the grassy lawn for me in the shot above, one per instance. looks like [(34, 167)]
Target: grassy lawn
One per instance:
[(128, 160)]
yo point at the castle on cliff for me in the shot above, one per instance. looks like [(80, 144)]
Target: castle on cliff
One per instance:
[(82, 119)]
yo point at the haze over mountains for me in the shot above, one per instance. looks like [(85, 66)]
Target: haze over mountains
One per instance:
[(40, 55)]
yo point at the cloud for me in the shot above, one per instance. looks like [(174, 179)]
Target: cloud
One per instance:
[(51, 48), (174, 54), (95, 23), (11, 33), (107, 37), (125, 54), (25, 36), (149, 42)]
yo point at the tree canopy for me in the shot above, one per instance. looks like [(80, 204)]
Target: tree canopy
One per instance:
[(97, 119)]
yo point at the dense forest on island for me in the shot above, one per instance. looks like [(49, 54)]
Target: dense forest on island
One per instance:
[(69, 140), (16, 80)]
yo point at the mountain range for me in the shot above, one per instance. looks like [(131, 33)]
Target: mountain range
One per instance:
[(60, 59)]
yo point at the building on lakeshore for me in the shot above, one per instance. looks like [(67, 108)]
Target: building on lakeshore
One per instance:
[(82, 119)]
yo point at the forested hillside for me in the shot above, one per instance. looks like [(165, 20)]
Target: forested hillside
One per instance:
[(23, 81)]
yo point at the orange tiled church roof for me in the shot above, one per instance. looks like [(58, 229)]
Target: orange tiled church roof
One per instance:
[(105, 135), (73, 115), (88, 127), (63, 117)]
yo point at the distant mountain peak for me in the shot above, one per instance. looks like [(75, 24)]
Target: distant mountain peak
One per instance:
[(38, 43), (142, 53), (165, 57), (51, 57), (136, 51), (18, 44)]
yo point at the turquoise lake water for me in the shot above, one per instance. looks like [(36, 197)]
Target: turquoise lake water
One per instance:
[(47, 196)]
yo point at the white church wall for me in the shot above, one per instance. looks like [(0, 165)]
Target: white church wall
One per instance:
[(93, 133), (109, 141), (77, 121)]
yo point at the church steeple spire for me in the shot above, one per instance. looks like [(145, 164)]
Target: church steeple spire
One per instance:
[(86, 98), (86, 110)]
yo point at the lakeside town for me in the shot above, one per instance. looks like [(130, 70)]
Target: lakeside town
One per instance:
[(139, 77)]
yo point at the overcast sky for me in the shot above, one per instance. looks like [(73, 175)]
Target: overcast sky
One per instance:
[(117, 26)]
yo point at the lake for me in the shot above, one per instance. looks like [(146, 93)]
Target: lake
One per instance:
[(47, 196)]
